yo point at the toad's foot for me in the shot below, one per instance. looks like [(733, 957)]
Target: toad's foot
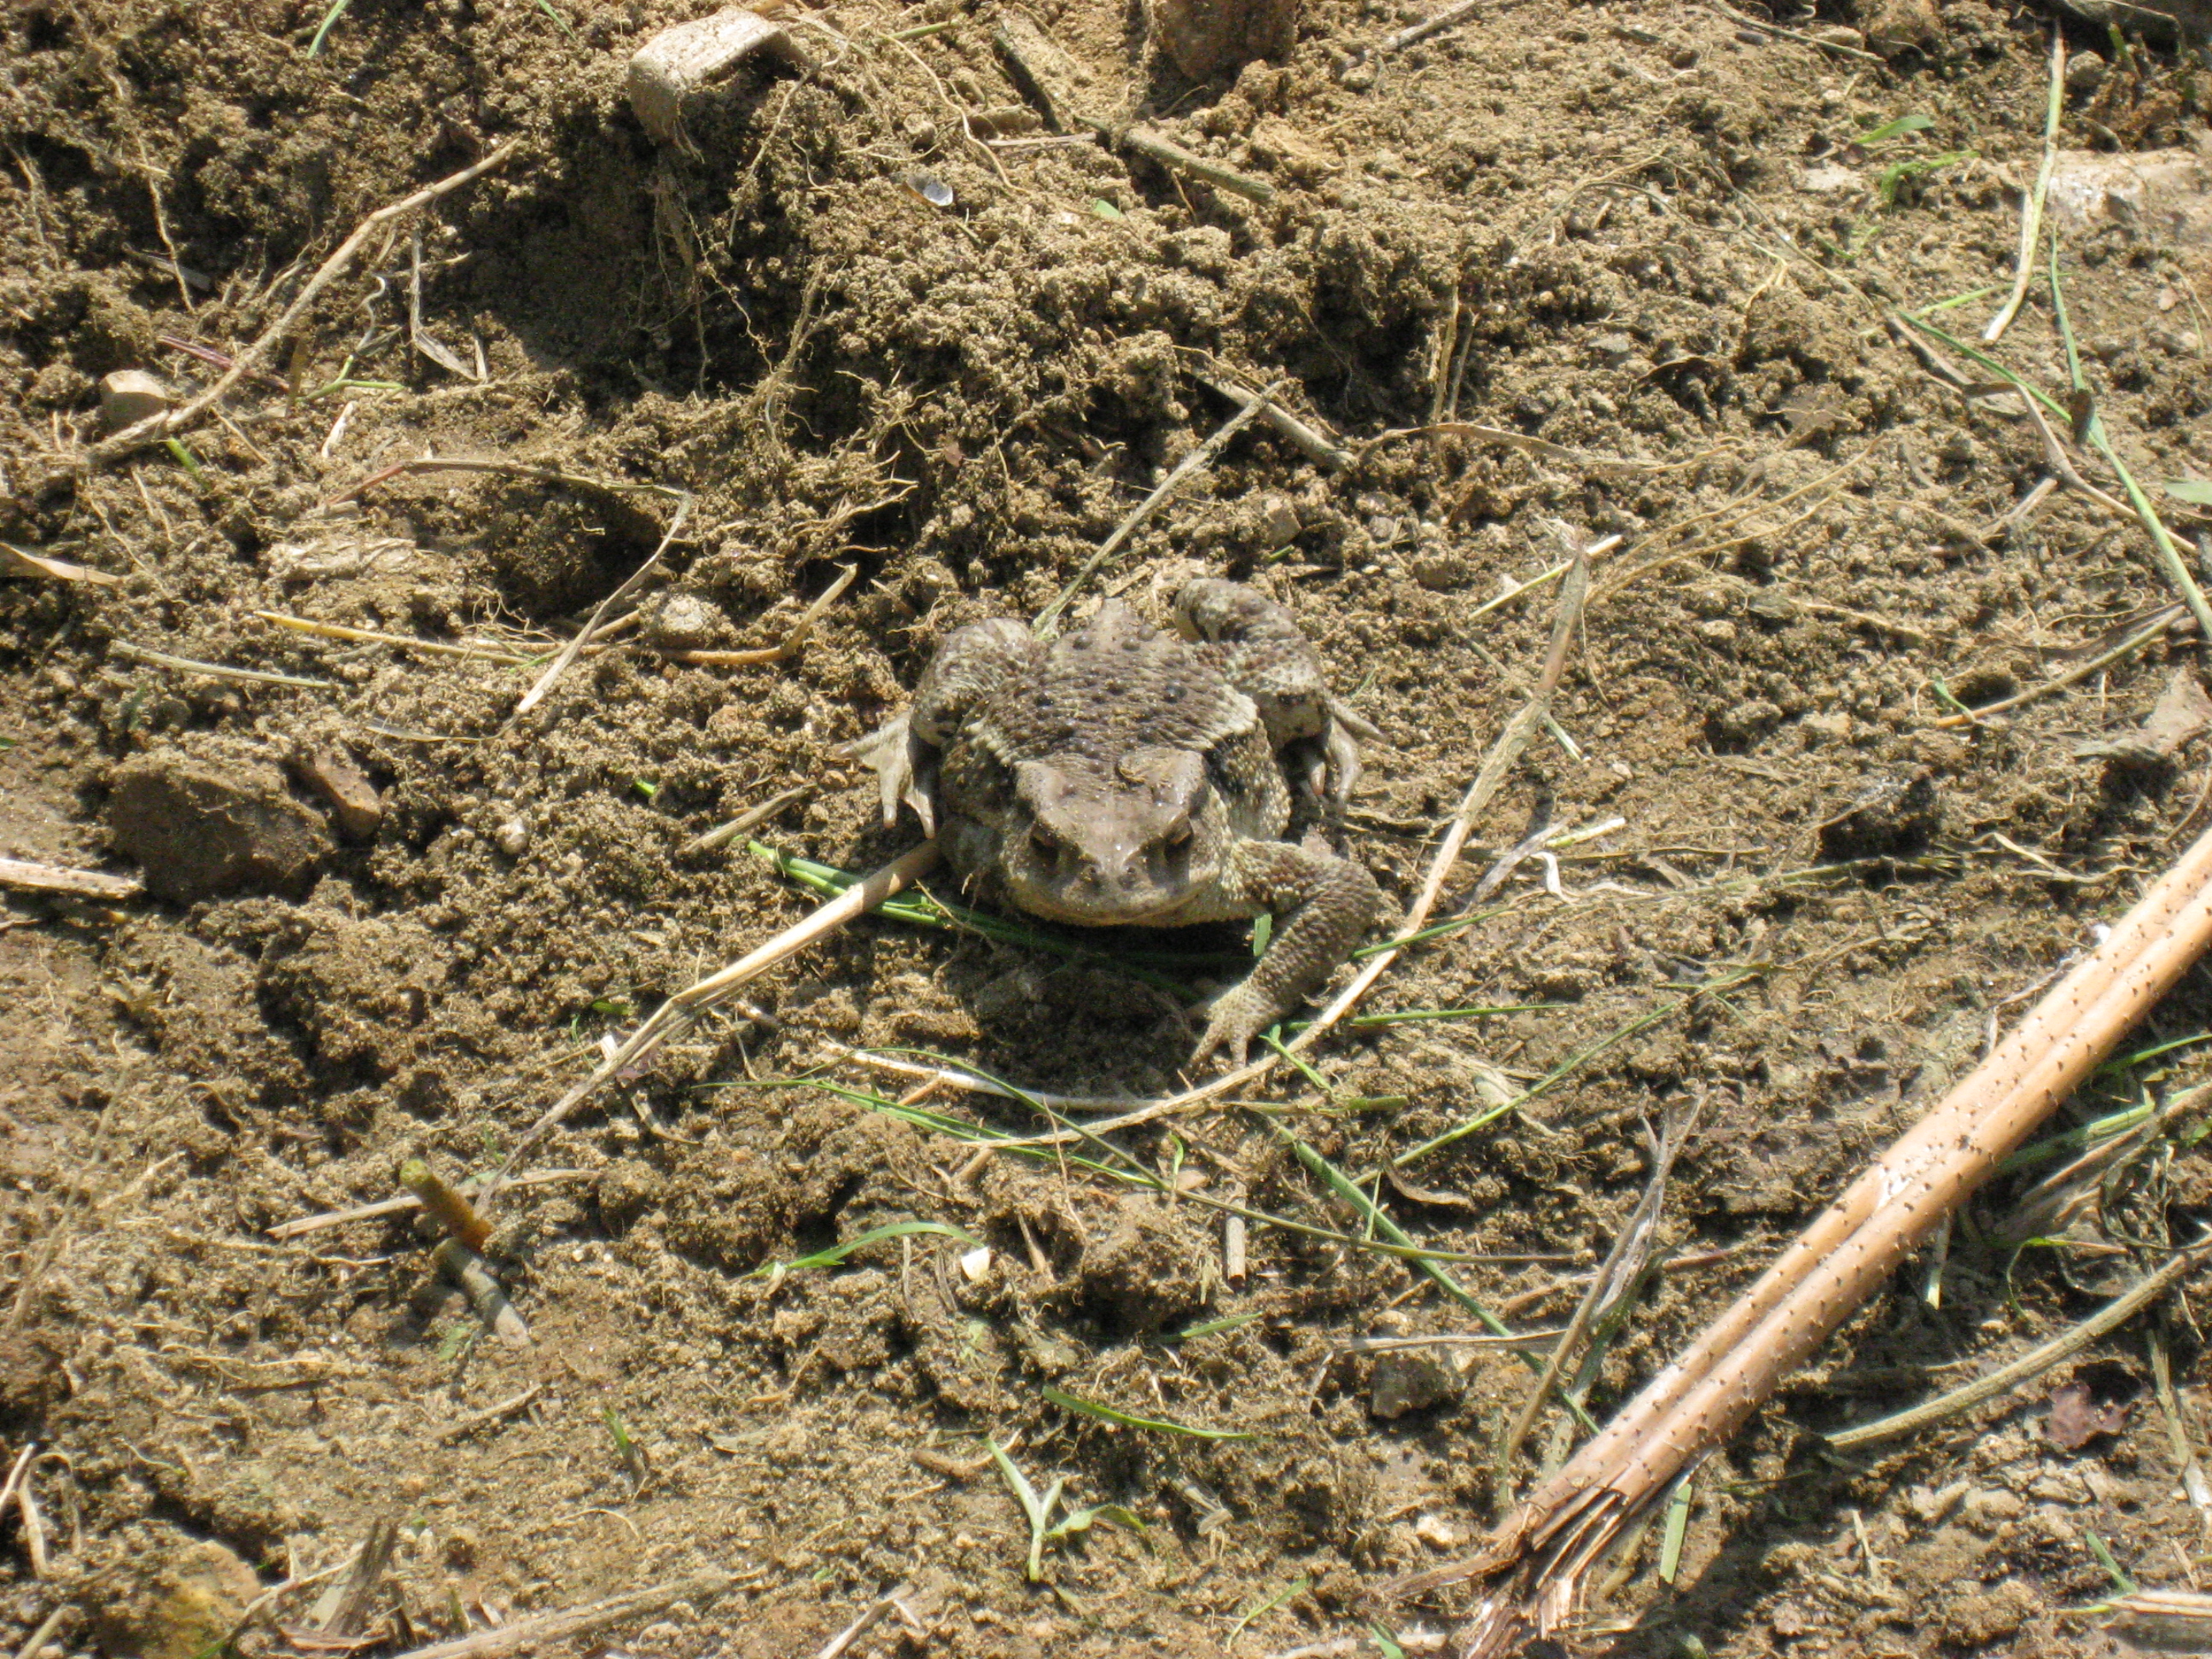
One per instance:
[(1322, 905)]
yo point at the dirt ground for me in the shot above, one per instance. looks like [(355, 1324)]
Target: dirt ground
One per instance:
[(862, 316)]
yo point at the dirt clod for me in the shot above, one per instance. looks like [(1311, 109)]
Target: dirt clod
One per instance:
[(199, 830), (171, 1596), (1206, 37), (1146, 1271)]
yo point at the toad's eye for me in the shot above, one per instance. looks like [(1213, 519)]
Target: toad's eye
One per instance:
[(1044, 839), (1178, 832)]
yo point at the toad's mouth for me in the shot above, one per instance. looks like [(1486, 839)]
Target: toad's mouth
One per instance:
[(1088, 902)]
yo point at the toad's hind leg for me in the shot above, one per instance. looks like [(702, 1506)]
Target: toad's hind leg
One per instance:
[(1322, 905), (1262, 652)]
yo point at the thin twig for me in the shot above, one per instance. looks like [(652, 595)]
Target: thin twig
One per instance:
[(315, 1224), (1301, 437), (1432, 24), (559, 665), (217, 670), (723, 834), (2110, 1317), (870, 1615), (541, 1630), (1191, 464), (1174, 157), (2074, 676), (1538, 1557), (1764, 27), (686, 1005), (155, 427), (2030, 209), (474, 1420)]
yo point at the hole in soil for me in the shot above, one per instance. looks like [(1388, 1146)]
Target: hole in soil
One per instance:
[(553, 552)]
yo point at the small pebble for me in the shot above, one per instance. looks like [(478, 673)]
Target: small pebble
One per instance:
[(1436, 1532), (2085, 73), (511, 837), (684, 621), (130, 396)]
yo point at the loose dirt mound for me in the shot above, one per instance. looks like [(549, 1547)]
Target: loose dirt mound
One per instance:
[(875, 313)]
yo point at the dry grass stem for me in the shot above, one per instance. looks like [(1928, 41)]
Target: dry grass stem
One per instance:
[(541, 1630), (376, 636), (1308, 441), (2160, 622), (216, 670), (21, 561), (45, 1632), (1611, 1287), (1841, 49), (790, 642), (155, 427), (467, 1426), (1185, 469), (1536, 1558), (328, 1219), (723, 834), (546, 475), (2031, 1365), (871, 1615), (2031, 208), (559, 665), (677, 1013), (1435, 23)]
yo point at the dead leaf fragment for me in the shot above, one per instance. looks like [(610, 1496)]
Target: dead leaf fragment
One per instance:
[(2076, 1419)]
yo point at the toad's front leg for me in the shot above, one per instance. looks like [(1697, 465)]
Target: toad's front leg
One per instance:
[(1322, 905)]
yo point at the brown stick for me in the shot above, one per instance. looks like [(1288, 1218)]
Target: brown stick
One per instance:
[(155, 427), (1536, 1558)]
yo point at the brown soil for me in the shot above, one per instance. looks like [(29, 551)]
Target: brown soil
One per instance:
[(1586, 223)]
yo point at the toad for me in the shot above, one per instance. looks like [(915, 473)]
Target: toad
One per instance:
[(1126, 776)]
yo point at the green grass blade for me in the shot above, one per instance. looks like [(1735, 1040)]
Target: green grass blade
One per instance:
[(1266, 1605), (837, 1253), (330, 22), (1677, 1528), (1068, 1401)]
